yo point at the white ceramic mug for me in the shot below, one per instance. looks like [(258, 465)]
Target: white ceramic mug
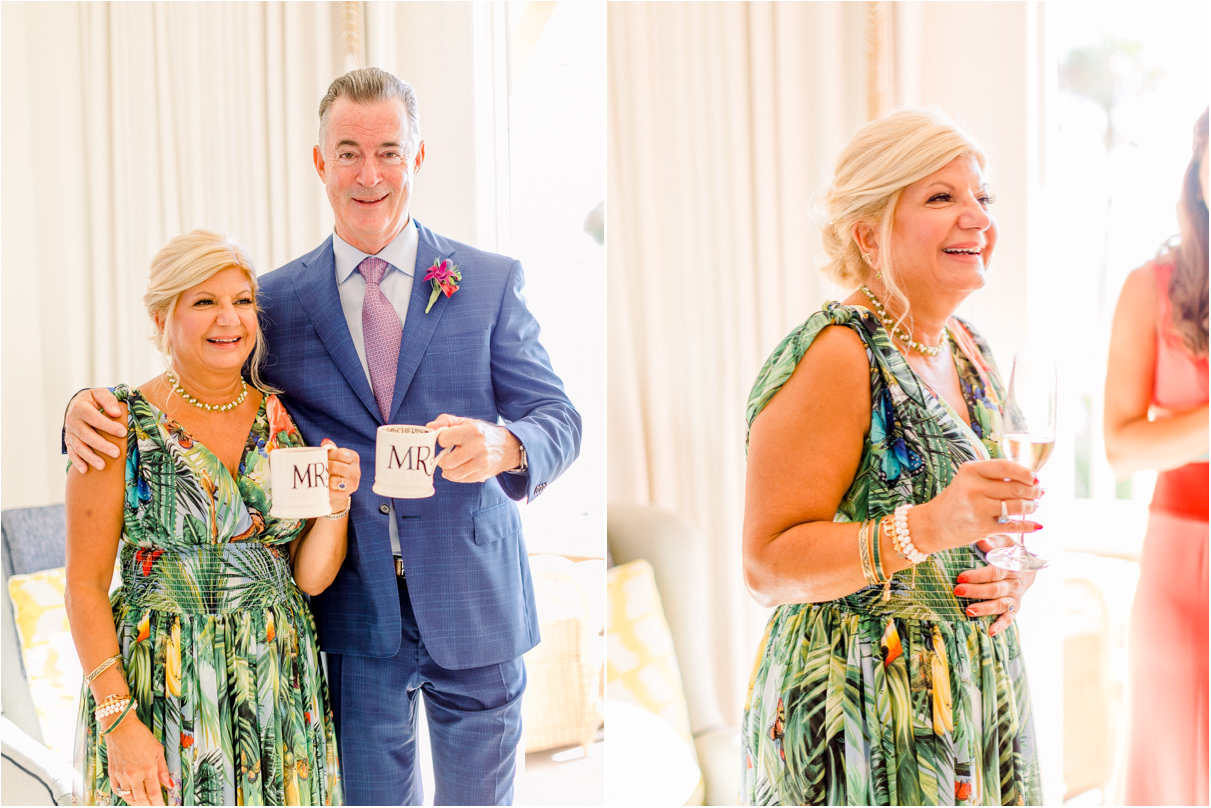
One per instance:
[(405, 457), (298, 480)]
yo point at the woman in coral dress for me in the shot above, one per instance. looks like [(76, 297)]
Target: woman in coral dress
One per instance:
[(1156, 418)]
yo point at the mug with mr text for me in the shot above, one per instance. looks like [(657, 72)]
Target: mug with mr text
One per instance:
[(405, 457), (298, 480)]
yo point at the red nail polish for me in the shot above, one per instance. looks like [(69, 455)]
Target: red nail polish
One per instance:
[(971, 612), (960, 591), (962, 578)]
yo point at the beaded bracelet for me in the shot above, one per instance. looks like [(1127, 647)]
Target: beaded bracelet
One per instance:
[(901, 539), (100, 669), (130, 704), (111, 705)]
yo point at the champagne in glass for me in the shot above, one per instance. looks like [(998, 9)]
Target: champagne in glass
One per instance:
[(1028, 436), (1026, 449)]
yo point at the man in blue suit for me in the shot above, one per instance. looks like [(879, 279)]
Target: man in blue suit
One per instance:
[(435, 595)]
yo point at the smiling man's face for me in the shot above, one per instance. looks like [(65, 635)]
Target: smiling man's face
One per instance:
[(368, 165)]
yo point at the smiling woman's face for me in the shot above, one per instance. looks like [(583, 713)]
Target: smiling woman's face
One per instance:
[(943, 233), (214, 324)]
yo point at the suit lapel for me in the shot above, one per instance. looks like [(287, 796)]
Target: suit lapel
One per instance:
[(419, 326), (317, 292)]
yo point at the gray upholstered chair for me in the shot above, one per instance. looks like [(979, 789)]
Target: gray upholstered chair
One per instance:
[(676, 552), (33, 539)]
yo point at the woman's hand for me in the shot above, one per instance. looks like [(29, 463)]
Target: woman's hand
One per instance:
[(982, 493), (344, 474), (136, 763), (996, 591), (316, 554)]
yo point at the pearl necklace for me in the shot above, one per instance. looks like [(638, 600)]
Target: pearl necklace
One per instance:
[(230, 405), (899, 333)]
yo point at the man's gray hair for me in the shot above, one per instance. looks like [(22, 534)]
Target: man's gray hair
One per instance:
[(366, 85)]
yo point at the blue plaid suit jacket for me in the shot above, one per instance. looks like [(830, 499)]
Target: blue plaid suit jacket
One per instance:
[(475, 354)]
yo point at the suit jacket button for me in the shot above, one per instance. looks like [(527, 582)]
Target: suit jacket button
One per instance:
[(384, 508)]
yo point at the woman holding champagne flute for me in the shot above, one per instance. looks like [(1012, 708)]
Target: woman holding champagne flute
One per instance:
[(891, 671), (205, 677), (1156, 418)]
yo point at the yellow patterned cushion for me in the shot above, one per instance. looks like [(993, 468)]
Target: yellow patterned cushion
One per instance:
[(51, 665), (641, 663)]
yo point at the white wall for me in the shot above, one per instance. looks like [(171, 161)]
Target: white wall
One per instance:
[(949, 59)]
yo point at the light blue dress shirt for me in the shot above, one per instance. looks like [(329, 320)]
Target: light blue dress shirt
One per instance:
[(396, 284)]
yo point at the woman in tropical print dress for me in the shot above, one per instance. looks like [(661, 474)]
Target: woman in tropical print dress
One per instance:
[(208, 639), (890, 672)]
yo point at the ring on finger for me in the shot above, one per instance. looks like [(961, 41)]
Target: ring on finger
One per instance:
[(122, 792), (1011, 606), (1003, 519)]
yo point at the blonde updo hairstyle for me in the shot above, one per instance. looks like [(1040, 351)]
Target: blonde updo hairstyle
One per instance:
[(182, 264), (884, 157)]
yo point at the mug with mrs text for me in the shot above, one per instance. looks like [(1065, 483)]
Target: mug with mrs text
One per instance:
[(298, 480), (405, 457)]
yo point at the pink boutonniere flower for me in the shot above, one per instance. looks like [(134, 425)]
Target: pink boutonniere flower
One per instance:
[(445, 277)]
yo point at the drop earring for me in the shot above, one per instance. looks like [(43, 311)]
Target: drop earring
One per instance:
[(867, 259)]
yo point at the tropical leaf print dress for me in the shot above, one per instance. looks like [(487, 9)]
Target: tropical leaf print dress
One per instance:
[(903, 701), (218, 644)]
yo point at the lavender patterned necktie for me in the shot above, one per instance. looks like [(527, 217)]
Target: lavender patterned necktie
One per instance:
[(381, 329)]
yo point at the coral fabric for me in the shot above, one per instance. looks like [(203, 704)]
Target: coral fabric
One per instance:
[(1167, 731)]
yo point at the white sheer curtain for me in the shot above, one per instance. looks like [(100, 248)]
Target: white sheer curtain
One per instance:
[(724, 120), (127, 124)]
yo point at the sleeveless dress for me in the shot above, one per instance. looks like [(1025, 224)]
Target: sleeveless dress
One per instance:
[(218, 644), (1167, 646), (904, 701)]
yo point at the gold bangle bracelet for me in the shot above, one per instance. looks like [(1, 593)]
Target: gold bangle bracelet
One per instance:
[(100, 669), (877, 552), (864, 552)]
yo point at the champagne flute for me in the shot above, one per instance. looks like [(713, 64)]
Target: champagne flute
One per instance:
[(1027, 437)]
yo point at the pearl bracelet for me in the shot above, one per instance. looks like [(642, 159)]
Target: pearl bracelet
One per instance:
[(901, 539), (111, 706)]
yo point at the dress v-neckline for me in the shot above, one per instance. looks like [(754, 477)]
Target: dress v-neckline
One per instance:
[(939, 402), (176, 427), (957, 355)]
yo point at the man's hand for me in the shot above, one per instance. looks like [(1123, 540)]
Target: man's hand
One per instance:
[(475, 450), (89, 413)]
